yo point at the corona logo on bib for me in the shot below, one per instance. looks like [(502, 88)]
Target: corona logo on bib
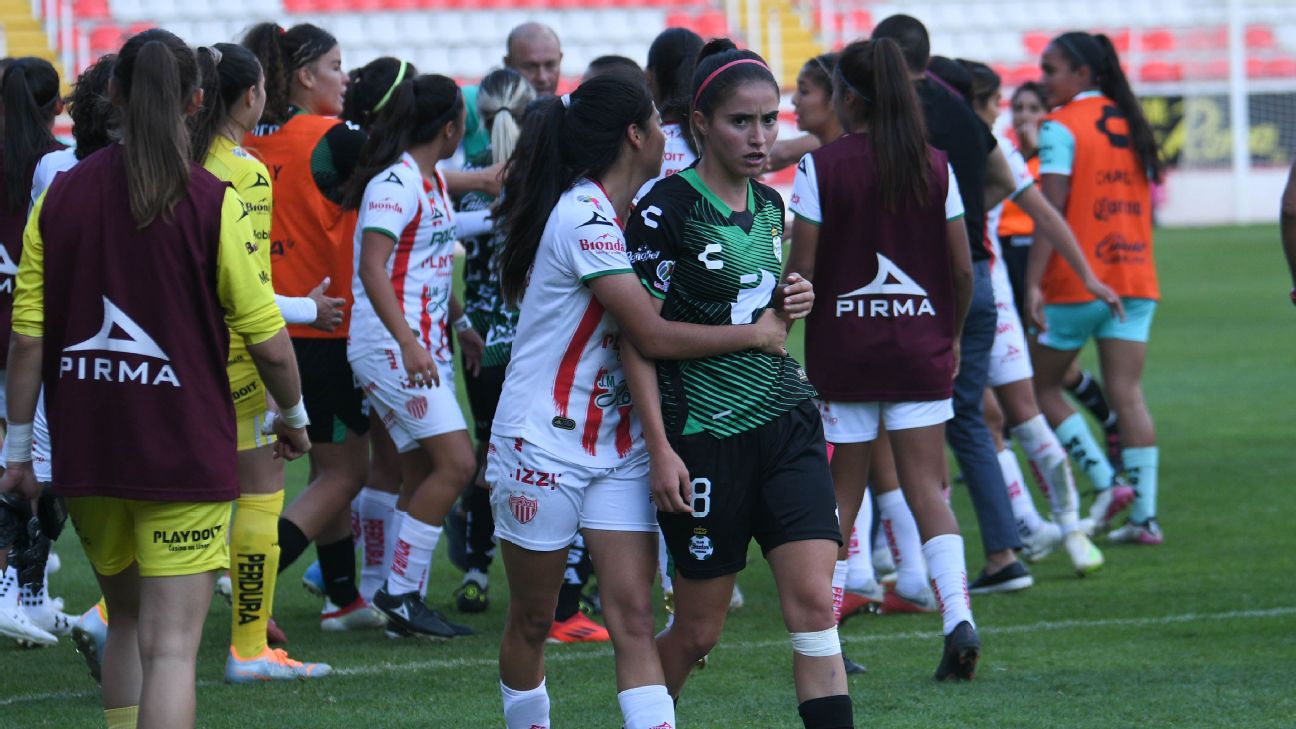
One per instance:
[(524, 507), (118, 339), (892, 293)]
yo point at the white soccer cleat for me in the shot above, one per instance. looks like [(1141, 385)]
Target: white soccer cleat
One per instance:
[(1040, 543), (225, 588), (359, 615), (1085, 557), (52, 563), (736, 600), (14, 622), (1107, 505), (44, 614)]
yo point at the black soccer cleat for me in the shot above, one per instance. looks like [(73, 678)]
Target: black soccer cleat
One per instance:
[(853, 668), (407, 614), (471, 597), (962, 651)]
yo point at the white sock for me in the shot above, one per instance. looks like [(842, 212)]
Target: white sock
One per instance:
[(1023, 506), (647, 707), (377, 511), (413, 556), (949, 577), (526, 709), (906, 547), (838, 587), (859, 558), (475, 575), (663, 559), (1052, 470)]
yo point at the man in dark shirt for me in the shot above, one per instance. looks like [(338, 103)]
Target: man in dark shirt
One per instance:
[(984, 179)]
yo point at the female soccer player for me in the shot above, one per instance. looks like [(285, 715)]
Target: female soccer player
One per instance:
[(813, 99), (887, 352), (708, 245), (233, 98), (311, 156), (567, 452), (1097, 158), (93, 293), (400, 347), (671, 59)]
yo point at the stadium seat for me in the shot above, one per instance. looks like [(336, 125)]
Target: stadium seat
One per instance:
[(1161, 71), (1157, 41), (1260, 37), (91, 9), (105, 38), (1036, 42)]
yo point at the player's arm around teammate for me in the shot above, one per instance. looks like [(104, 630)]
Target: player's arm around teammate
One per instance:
[(152, 506)]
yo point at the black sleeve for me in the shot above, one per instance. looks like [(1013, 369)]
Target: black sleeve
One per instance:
[(652, 238), (335, 159), (990, 141)]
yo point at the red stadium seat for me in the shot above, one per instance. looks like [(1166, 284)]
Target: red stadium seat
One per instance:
[(136, 28), (1035, 43), (106, 39), (91, 9), (1260, 37), (1120, 39), (1284, 67), (1161, 71), (1158, 41)]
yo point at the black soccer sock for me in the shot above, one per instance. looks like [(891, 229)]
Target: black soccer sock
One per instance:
[(578, 573), (829, 712), (292, 542), (338, 566), (1090, 394), (481, 529)]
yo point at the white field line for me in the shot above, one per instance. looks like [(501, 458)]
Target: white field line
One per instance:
[(606, 651)]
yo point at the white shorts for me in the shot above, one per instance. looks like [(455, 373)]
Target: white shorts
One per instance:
[(41, 443), (541, 501), (1009, 356), (410, 413), (858, 422)]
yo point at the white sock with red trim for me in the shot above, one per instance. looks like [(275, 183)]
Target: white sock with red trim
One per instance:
[(906, 546), (859, 557), (413, 556), (647, 707), (944, 555), (526, 709), (377, 511), (838, 587)]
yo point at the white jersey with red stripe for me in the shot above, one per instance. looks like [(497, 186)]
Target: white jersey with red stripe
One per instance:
[(1023, 181), (676, 155), (565, 390), (416, 214)]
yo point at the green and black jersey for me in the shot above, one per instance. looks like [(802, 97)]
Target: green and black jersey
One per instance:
[(482, 299), (712, 265)]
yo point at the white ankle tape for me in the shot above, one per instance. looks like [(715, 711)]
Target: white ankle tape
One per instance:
[(817, 645)]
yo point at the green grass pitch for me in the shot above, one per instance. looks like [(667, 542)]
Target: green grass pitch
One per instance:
[(1199, 632)]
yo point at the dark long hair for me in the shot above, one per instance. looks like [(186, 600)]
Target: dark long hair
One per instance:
[(711, 86), (156, 75), (93, 114), (876, 73), (228, 71), (560, 144), (985, 82), (1031, 87), (418, 110), (672, 58), (31, 94), (281, 53), (367, 85), (1099, 54), (819, 70)]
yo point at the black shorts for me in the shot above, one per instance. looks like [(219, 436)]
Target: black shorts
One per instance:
[(1015, 261), (334, 401), (772, 483), (483, 397)]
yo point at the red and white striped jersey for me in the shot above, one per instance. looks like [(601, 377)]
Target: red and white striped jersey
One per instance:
[(565, 390), (416, 214)]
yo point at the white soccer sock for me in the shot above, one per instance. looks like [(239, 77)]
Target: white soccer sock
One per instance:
[(1052, 470), (377, 510), (1023, 506), (906, 546), (949, 577), (647, 707), (859, 558), (526, 709), (838, 587), (413, 556)]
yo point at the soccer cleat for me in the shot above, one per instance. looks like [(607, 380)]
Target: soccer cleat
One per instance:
[(53, 564), (471, 597), (225, 588), (882, 561), (45, 613), (962, 651), (577, 629), (275, 634), (408, 615), (313, 580), (359, 615), (736, 600), (591, 603), (456, 536), (893, 603), (1148, 533), (867, 599), (1013, 578), (853, 668), (1040, 543), (89, 633), (1108, 504), (272, 665), (668, 601), (14, 622), (1085, 557)]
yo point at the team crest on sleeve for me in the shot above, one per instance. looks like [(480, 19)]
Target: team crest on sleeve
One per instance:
[(524, 507), (664, 271)]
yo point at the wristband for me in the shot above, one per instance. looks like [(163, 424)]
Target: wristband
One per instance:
[(463, 324), (18, 443), (295, 416)]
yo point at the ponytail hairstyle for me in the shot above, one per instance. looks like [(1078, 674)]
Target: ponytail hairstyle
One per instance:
[(370, 88), (502, 100), (31, 96), (228, 71), (876, 74), (156, 76), (1098, 54), (721, 69), (93, 114), (819, 71), (563, 140), (672, 58), (282, 53), (419, 109)]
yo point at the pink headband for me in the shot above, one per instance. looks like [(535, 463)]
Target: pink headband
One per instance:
[(721, 70)]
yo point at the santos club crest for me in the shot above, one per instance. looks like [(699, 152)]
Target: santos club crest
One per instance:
[(524, 507)]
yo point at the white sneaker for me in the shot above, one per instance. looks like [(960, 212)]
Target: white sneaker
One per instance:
[(1085, 557), (736, 600), (14, 622), (1040, 543), (42, 612), (225, 588)]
